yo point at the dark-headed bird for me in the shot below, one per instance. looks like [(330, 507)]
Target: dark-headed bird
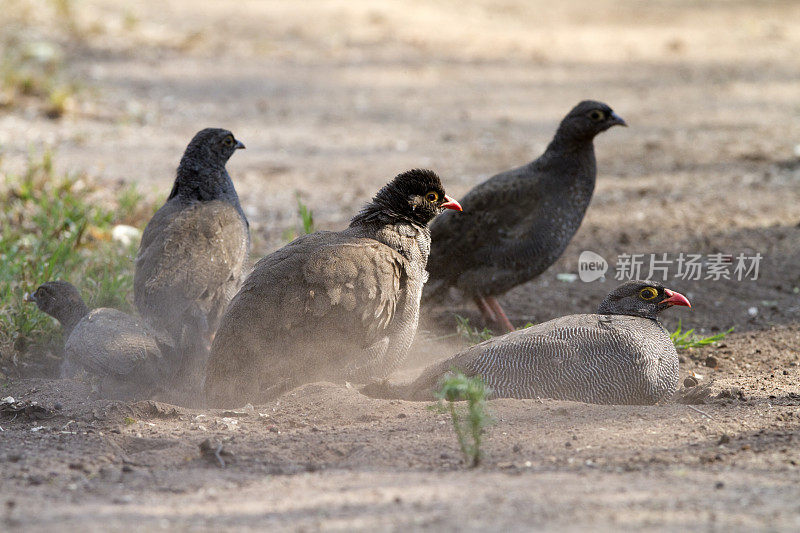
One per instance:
[(331, 305), (129, 358), (193, 253), (518, 223), (620, 355)]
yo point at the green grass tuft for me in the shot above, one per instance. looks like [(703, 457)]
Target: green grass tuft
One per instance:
[(306, 216), (471, 333), (469, 422), (306, 219), (687, 339), (55, 227)]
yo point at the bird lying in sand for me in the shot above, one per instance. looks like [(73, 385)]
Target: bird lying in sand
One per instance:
[(518, 223), (129, 358), (621, 355), (331, 305), (193, 253)]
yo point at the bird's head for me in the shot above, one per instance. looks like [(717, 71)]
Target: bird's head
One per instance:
[(587, 119), (417, 195), (641, 298), (212, 147), (59, 299)]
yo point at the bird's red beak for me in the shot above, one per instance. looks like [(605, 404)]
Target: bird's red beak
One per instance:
[(449, 203), (675, 298)]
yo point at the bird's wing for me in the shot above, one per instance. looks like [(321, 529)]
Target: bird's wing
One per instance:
[(493, 210), (110, 343), (530, 362), (357, 282), (190, 259), (304, 311)]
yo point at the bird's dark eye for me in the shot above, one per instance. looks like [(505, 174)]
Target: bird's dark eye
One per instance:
[(648, 293), (228, 140), (432, 196), (597, 115)]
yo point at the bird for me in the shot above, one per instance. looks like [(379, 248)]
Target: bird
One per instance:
[(331, 305), (620, 355), (128, 357), (193, 253), (518, 223)]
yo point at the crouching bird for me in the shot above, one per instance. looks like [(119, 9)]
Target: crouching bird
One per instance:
[(331, 305), (621, 355), (518, 223), (193, 253), (129, 358)]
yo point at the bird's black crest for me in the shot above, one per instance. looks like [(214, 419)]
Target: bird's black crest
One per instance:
[(416, 181), (401, 198)]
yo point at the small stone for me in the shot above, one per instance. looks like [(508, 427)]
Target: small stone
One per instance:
[(127, 468), (568, 444), (690, 382), (711, 362), (719, 485), (57, 406), (402, 415), (517, 448), (724, 439)]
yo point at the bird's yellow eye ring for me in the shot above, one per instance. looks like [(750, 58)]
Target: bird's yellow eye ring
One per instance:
[(597, 115), (648, 293), (432, 196), (228, 140)]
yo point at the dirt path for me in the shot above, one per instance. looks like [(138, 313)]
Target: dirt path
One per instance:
[(332, 99)]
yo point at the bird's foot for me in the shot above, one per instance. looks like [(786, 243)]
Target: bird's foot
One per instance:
[(501, 320)]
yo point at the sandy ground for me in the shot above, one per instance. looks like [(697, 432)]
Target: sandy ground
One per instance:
[(333, 99)]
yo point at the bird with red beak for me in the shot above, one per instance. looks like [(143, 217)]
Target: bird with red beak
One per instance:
[(331, 306)]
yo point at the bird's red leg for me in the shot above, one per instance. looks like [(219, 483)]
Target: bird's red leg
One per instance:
[(502, 319), (485, 310)]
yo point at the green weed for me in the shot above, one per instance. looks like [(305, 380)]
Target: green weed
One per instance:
[(471, 333), (687, 339), (468, 422), (55, 227), (306, 219)]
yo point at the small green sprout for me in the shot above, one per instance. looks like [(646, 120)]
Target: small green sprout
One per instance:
[(472, 334), (306, 215), (468, 422), (687, 339)]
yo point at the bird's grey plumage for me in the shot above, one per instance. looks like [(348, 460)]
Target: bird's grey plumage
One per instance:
[(518, 223), (128, 357), (330, 305), (193, 252), (611, 357)]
